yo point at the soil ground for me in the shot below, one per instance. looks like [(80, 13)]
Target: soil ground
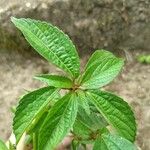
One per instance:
[(16, 75)]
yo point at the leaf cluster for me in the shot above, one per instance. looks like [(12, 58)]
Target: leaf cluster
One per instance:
[(91, 115)]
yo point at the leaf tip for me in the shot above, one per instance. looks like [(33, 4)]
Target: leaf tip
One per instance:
[(13, 19), (36, 77)]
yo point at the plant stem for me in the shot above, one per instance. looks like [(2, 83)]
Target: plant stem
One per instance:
[(35, 141), (74, 145)]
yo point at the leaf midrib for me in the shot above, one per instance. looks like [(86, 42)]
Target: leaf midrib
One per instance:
[(39, 113), (108, 119), (120, 118), (120, 112), (24, 26), (101, 72), (61, 118)]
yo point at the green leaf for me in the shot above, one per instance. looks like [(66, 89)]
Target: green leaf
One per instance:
[(55, 80), (30, 109), (97, 56), (75, 145), (12, 146), (51, 43), (116, 111), (101, 69), (86, 125), (58, 122), (3, 146), (38, 124), (83, 101), (113, 142)]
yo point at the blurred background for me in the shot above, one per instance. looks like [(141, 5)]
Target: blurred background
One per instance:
[(120, 26)]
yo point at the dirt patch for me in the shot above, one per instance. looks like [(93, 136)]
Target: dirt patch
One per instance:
[(17, 70)]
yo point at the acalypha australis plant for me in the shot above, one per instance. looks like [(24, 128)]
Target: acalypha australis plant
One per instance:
[(90, 115)]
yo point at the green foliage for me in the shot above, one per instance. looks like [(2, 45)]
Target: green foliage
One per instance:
[(100, 71), (30, 109), (83, 110), (2, 145), (116, 111), (55, 80), (51, 43), (87, 125), (11, 146), (144, 59), (113, 142), (83, 101), (58, 122)]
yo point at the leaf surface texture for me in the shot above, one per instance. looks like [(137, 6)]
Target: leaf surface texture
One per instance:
[(30, 109), (101, 69), (51, 43), (116, 111), (58, 122), (55, 80), (113, 142)]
